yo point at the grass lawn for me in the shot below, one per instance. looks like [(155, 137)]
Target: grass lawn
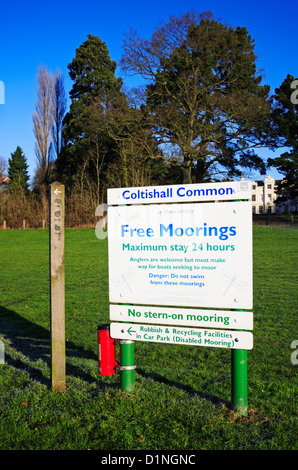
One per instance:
[(182, 393)]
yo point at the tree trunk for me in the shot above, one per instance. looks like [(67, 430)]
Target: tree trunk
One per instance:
[(186, 171)]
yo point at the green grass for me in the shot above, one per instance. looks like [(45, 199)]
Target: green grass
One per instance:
[(182, 393)]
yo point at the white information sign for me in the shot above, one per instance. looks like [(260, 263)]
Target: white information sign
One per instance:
[(190, 255), (182, 316), (180, 335), (201, 192)]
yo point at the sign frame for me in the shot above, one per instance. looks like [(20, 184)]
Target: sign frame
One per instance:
[(197, 193), (132, 234)]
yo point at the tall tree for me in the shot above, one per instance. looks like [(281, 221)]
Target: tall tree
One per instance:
[(285, 116), (139, 162), (18, 172), (93, 73), (60, 104), (43, 119), (204, 98)]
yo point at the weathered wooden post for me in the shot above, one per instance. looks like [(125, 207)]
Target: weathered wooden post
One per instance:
[(57, 285)]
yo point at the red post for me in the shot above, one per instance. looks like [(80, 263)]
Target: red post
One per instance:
[(106, 351)]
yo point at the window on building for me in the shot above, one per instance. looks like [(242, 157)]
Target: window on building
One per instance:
[(260, 209), (260, 197), (269, 186), (253, 197)]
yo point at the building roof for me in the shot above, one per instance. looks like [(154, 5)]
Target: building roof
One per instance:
[(4, 179), (262, 182)]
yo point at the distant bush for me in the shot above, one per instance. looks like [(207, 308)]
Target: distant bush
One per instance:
[(80, 208)]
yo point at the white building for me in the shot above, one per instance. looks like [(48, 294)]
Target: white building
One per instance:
[(264, 195)]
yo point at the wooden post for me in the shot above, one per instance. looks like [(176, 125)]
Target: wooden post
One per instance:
[(24, 223), (57, 285), (4, 224)]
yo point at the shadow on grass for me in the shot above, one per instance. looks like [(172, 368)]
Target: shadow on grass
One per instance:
[(186, 388), (30, 349)]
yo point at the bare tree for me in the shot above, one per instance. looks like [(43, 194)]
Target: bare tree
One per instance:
[(203, 95), (43, 119), (3, 166), (60, 103)]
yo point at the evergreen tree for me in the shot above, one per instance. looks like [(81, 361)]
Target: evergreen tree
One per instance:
[(95, 88), (285, 116), (18, 172)]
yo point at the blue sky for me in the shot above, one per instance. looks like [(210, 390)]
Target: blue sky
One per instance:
[(34, 33)]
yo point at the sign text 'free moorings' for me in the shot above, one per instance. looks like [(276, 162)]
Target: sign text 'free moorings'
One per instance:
[(190, 254)]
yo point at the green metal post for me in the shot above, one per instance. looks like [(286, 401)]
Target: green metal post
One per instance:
[(127, 366), (239, 381)]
